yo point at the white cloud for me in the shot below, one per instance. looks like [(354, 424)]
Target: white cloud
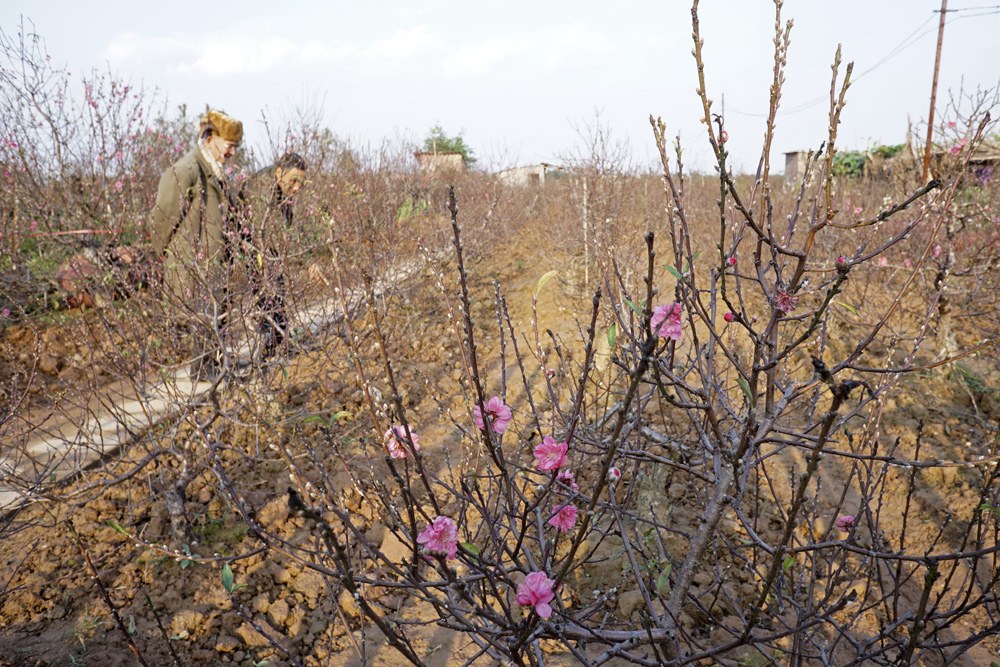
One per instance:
[(231, 56), (570, 43), (131, 47), (406, 43), (317, 53), (478, 57), (548, 49), (216, 55), (250, 53)]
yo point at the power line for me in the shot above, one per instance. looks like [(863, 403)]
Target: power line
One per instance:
[(907, 42), (968, 9)]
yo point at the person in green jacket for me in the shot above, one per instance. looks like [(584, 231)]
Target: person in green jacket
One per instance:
[(266, 198), (193, 210)]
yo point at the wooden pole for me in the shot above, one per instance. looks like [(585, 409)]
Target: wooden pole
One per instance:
[(930, 116)]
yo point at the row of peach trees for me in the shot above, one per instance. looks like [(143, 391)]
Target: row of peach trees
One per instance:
[(724, 379), (723, 445)]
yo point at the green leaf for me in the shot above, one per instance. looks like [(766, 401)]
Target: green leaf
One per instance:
[(314, 418), (284, 371), (674, 272), (227, 578), (111, 522), (844, 305), (987, 508), (612, 334), (186, 564), (544, 279), (787, 562), (470, 547), (346, 414), (664, 578), (633, 307), (746, 389)]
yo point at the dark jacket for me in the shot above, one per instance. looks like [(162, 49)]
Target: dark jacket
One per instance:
[(263, 200)]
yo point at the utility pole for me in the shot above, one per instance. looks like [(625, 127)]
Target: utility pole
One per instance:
[(930, 116)]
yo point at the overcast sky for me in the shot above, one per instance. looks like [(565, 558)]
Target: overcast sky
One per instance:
[(519, 79)]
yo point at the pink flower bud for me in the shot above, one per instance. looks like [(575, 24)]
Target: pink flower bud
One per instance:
[(614, 475), (724, 136), (845, 523), (937, 251), (731, 261), (728, 317)]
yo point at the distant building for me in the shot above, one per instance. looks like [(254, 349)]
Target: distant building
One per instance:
[(531, 175), (441, 162), (795, 165)]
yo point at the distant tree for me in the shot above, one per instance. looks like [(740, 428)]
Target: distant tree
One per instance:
[(439, 142)]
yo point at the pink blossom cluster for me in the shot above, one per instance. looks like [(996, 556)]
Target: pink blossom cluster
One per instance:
[(784, 300), (498, 414), (845, 523), (440, 537), (564, 517), (666, 321), (568, 478), (550, 455), (536, 592), (395, 442)]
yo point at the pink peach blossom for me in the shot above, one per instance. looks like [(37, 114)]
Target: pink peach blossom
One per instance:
[(882, 261), (395, 442), (564, 517), (536, 591), (785, 301), (666, 321), (845, 523), (440, 537), (550, 455), (907, 262), (937, 251), (568, 478), (497, 412)]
